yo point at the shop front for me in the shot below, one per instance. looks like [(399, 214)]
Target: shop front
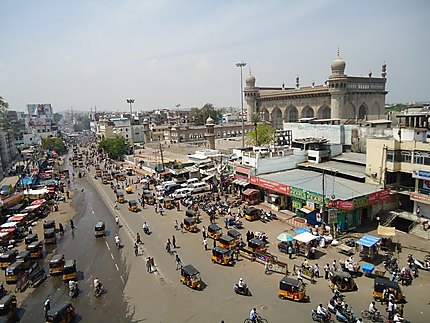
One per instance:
[(273, 193)]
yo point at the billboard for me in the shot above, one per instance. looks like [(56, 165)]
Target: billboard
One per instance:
[(38, 110)]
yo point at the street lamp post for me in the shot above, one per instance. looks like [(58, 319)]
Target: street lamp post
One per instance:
[(130, 102), (241, 65)]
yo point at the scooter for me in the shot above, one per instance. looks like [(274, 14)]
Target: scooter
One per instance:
[(242, 290), (99, 291), (146, 230), (424, 265), (73, 290), (342, 317), (322, 319)]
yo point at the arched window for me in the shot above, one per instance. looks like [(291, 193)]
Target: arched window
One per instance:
[(292, 114)]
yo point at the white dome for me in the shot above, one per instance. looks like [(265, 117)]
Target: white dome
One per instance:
[(250, 80), (338, 66)]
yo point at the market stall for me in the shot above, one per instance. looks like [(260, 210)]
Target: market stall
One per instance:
[(368, 246), (306, 242), (387, 234), (251, 196)]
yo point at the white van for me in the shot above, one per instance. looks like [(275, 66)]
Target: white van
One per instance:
[(199, 187), (181, 193), (163, 185), (190, 181)]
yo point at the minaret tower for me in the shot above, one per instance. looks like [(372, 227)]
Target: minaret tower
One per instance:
[(251, 96)]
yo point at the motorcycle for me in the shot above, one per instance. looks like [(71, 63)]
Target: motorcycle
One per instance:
[(73, 290), (346, 317), (118, 243), (421, 264), (320, 318), (99, 291), (335, 304), (242, 290), (146, 230)]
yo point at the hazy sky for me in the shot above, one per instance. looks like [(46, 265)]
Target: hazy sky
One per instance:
[(86, 53)]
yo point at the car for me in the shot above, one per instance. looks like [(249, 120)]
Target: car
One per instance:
[(199, 187), (181, 193), (163, 185), (189, 182)]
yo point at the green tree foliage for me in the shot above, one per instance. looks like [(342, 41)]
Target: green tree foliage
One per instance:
[(54, 143), (199, 116), (396, 108), (115, 147), (265, 134), (3, 113), (57, 117)]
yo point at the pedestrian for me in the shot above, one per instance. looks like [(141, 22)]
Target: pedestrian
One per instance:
[(30, 230), (152, 264), (178, 206), (204, 234), (176, 225), (266, 268), (116, 205), (214, 245), (182, 227), (136, 249), (156, 207), (299, 275), (290, 251), (205, 243), (61, 229), (178, 262), (418, 211), (226, 223), (317, 271), (326, 271), (148, 265), (174, 241), (72, 225), (117, 220), (248, 236)]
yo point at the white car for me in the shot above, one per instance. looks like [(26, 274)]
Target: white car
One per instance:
[(199, 187), (181, 193), (189, 182)]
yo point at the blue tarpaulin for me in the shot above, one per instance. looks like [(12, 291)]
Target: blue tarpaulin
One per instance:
[(27, 180), (368, 241), (301, 230)]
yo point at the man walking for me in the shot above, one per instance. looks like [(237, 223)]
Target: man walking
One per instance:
[(326, 271), (136, 249), (178, 262), (205, 243), (148, 265), (174, 241)]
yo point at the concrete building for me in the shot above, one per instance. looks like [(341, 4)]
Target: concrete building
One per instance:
[(8, 151), (348, 98)]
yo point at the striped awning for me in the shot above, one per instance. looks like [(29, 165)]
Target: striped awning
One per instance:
[(240, 182)]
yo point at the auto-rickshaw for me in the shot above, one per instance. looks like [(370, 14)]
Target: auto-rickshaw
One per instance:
[(235, 235), (56, 264), (49, 236), (69, 270), (63, 313), (192, 214), (97, 166), (105, 180), (227, 242), (14, 272), (251, 214), (342, 281), (169, 204), (35, 249), (7, 258), (214, 231), (149, 199), (293, 289), (31, 238), (120, 197), (222, 256), (8, 307), (24, 257), (99, 229), (382, 283), (132, 206), (190, 276), (120, 177), (98, 173), (129, 190), (256, 245), (48, 224), (190, 224)]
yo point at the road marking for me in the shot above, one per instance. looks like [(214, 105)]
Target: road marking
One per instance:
[(92, 211), (112, 256), (116, 266), (107, 245), (122, 279)]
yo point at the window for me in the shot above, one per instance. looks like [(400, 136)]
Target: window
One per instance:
[(421, 158), (406, 156)]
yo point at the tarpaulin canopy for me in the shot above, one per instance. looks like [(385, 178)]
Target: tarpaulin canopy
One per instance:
[(301, 230), (250, 191), (38, 202), (368, 241), (386, 231), (305, 237)]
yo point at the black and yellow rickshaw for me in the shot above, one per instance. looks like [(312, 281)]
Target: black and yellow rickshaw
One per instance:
[(192, 214), (120, 197), (48, 224), (35, 249), (132, 206), (98, 173), (227, 242), (97, 166), (31, 238), (105, 180), (120, 177), (341, 280), (63, 313), (169, 203), (14, 272), (251, 214), (8, 307), (7, 258), (256, 245), (49, 236), (222, 256), (129, 190), (24, 258), (190, 276), (190, 224), (149, 198), (214, 231), (99, 229), (382, 283), (56, 264), (293, 289), (235, 235), (69, 270)]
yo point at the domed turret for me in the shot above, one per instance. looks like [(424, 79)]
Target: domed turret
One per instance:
[(210, 121), (338, 65), (250, 80)]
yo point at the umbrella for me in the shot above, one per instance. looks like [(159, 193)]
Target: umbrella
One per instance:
[(301, 230), (285, 237)]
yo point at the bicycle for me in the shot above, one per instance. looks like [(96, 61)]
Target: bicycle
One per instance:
[(259, 319), (375, 317)]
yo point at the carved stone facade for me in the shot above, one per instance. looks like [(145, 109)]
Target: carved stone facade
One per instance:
[(348, 98)]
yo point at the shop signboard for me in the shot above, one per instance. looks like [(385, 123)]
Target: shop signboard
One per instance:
[(420, 198), (296, 204), (298, 192), (421, 174), (361, 202), (379, 196), (314, 197), (332, 216), (270, 185), (242, 170), (341, 205)]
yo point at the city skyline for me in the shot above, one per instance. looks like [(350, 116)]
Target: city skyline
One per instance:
[(164, 53)]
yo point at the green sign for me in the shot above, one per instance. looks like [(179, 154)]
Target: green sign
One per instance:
[(296, 204), (361, 201), (314, 197), (332, 216), (298, 192)]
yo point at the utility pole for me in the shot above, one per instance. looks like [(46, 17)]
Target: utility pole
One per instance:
[(323, 196), (161, 155), (131, 101), (241, 65)]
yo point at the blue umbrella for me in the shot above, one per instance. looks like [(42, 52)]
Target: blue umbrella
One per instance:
[(301, 230), (285, 237)]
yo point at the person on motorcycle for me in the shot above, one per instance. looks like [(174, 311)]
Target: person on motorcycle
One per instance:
[(97, 284), (117, 241), (145, 227), (321, 311), (398, 318), (47, 306), (372, 309), (241, 284)]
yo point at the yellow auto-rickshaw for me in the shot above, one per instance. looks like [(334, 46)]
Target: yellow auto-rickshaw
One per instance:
[(251, 214), (132, 206), (98, 173), (222, 256), (63, 313), (190, 224), (49, 236), (8, 308), (381, 283), (169, 204), (105, 180), (293, 289), (256, 245), (35, 249), (214, 231), (99, 229), (341, 280), (31, 238), (190, 276), (7, 258), (14, 272), (227, 242), (149, 199), (69, 270), (193, 214), (24, 257), (120, 177), (97, 166), (235, 235), (120, 197), (56, 264), (129, 190)]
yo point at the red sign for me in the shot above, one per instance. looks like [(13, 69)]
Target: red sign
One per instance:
[(242, 170), (383, 195), (270, 185), (341, 205), (420, 198)]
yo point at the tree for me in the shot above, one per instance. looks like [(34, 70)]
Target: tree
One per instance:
[(255, 119), (115, 147), (3, 113), (199, 116), (261, 135), (57, 117), (54, 143)]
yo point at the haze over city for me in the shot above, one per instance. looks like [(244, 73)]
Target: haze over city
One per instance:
[(163, 53)]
